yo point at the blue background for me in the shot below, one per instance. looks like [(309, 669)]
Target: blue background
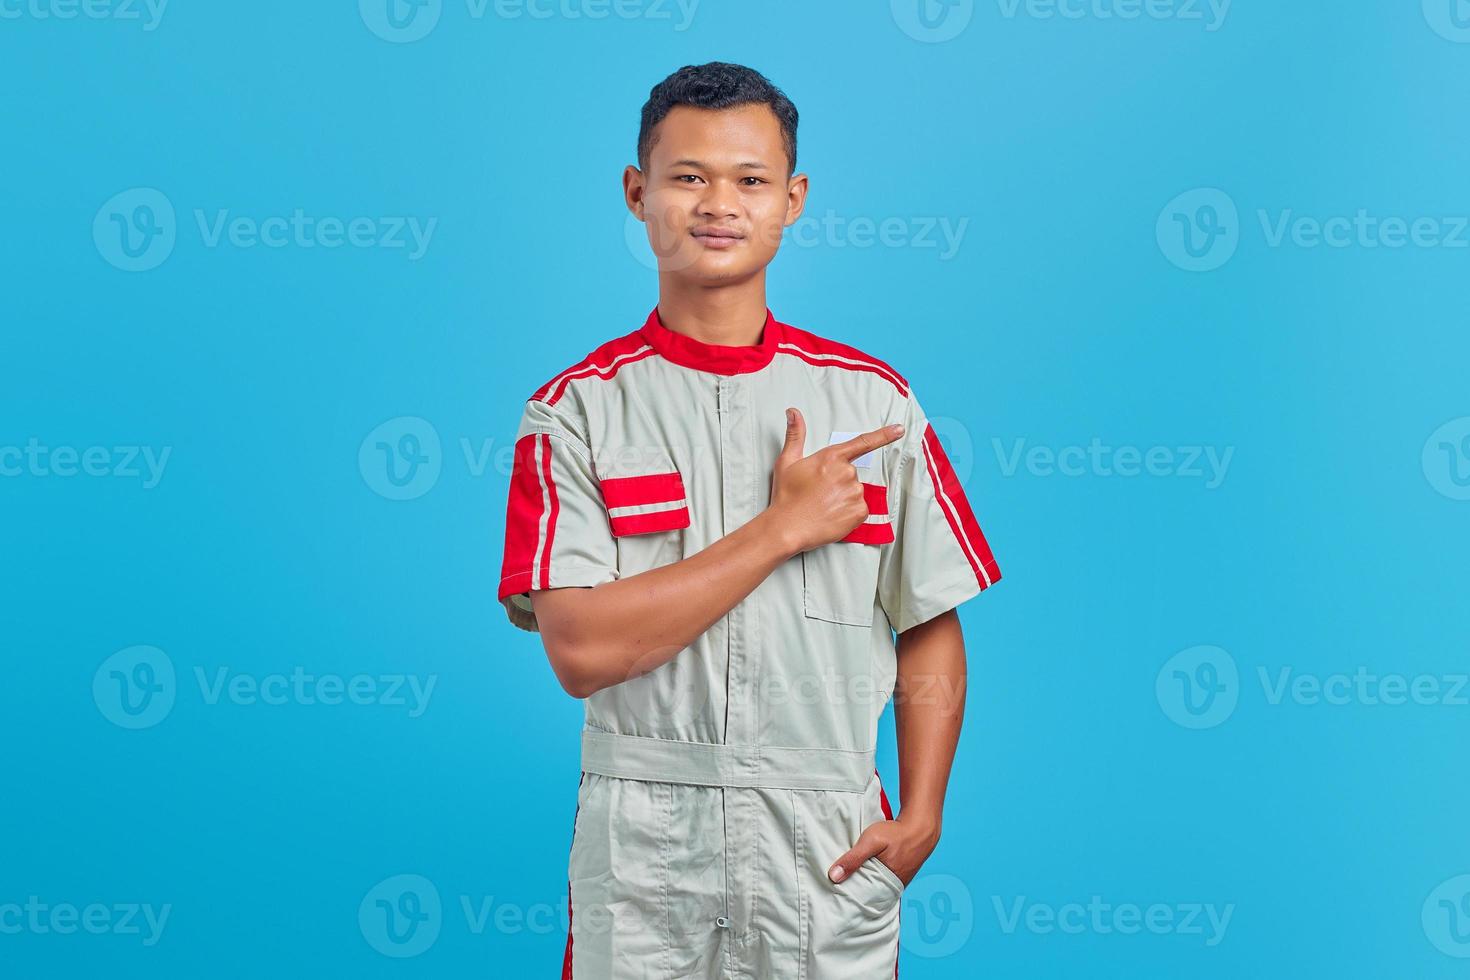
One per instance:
[(1087, 767)]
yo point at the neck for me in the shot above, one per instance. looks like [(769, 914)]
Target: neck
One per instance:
[(731, 316)]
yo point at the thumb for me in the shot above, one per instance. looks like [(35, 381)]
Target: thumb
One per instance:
[(795, 437), (867, 845)]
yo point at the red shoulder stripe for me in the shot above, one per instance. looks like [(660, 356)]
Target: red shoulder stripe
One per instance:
[(822, 352), (604, 362)]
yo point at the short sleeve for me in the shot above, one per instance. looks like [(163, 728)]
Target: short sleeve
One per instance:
[(556, 526), (939, 557)]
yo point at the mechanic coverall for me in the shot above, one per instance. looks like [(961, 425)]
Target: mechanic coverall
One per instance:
[(718, 789)]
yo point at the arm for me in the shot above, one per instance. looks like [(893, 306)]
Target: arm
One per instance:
[(609, 633), (939, 558), (600, 636), (929, 706)]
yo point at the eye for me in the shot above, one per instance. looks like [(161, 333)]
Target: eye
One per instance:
[(690, 176), (756, 179)]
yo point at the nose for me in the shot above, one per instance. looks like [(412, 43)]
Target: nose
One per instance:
[(719, 201)]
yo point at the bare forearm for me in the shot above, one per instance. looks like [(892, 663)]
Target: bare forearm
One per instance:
[(618, 630), (929, 706)]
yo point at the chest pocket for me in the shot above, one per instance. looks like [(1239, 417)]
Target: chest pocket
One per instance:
[(647, 513), (840, 579)]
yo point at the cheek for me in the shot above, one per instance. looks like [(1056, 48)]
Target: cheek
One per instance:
[(767, 226), (665, 213), (666, 220)]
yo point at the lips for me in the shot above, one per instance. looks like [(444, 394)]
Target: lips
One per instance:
[(717, 233)]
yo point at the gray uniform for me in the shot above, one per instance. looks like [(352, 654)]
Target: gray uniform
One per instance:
[(718, 788)]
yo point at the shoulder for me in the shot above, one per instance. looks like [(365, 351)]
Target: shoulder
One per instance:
[(600, 365), (826, 353)]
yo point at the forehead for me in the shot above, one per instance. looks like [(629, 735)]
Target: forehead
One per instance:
[(719, 137)]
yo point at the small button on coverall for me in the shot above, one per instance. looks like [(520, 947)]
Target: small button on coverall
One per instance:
[(718, 788)]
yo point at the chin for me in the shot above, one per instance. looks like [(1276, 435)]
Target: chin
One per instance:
[(716, 272)]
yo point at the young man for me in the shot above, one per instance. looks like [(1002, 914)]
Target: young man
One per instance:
[(716, 522)]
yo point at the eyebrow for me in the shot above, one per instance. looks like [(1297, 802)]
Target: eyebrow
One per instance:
[(701, 165)]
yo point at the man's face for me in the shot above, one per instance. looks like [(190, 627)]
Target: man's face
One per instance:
[(715, 196)]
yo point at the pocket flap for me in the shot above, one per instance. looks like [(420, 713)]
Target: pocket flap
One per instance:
[(646, 503)]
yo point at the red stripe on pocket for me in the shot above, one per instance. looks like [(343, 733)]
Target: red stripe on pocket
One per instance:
[(875, 495), (870, 534), (651, 488), (663, 520)]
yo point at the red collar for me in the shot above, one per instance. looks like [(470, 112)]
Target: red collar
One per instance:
[(719, 358)]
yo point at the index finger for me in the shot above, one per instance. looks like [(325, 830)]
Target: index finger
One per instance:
[(868, 441)]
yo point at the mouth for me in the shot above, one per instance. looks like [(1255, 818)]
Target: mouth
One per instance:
[(718, 237)]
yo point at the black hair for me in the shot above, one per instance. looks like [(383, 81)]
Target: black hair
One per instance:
[(716, 85)]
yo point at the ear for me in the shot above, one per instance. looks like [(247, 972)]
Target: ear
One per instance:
[(795, 198), (633, 187)]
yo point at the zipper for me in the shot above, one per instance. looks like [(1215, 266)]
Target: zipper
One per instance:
[(723, 920)]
